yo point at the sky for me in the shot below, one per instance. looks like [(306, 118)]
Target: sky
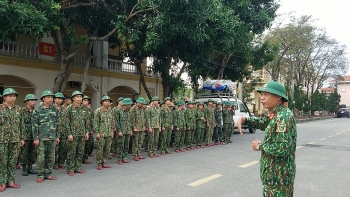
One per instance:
[(333, 16)]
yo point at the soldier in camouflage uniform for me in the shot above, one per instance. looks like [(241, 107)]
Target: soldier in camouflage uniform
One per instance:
[(201, 123), (77, 124), (277, 163), (61, 148), (217, 137), (114, 140), (210, 117), (11, 137), (138, 124), (28, 153), (154, 126), (124, 130), (227, 117), (167, 126), (104, 128), (190, 116), (46, 135), (89, 144), (179, 126)]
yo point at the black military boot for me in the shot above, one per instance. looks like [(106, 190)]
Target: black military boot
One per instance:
[(31, 171)]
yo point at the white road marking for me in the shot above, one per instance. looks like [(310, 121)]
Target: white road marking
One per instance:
[(298, 147), (323, 139), (249, 164), (338, 133), (331, 136), (344, 131), (313, 142), (204, 180)]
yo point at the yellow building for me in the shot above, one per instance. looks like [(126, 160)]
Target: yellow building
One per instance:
[(31, 67)]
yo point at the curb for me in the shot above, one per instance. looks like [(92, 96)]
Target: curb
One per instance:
[(313, 119)]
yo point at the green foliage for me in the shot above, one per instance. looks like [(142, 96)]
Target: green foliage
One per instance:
[(333, 101), (249, 85)]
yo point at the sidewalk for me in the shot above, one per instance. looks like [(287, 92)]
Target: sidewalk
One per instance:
[(300, 120)]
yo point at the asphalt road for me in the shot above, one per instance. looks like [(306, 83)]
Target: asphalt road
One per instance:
[(227, 170)]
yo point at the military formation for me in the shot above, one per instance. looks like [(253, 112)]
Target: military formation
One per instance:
[(62, 131)]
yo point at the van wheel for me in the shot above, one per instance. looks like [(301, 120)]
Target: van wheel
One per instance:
[(252, 130)]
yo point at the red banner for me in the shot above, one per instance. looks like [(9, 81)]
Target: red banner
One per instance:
[(47, 49)]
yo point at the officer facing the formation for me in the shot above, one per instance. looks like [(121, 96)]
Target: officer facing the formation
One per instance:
[(61, 148), (46, 135), (11, 138), (138, 124), (124, 130), (277, 163), (89, 144), (28, 152), (77, 120), (104, 127)]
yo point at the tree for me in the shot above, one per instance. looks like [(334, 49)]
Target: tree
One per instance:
[(333, 101)]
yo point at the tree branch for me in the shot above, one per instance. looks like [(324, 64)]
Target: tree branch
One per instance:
[(138, 12), (73, 54), (77, 5)]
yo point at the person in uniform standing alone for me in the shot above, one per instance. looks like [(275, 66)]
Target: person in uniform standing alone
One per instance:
[(277, 163)]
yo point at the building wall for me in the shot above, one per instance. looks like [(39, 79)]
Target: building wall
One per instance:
[(344, 91)]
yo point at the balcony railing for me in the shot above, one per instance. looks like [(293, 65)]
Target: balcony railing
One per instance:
[(150, 72), (120, 66), (19, 50)]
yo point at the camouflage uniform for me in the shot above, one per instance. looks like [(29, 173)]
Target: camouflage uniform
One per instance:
[(61, 148), (45, 129), (278, 148), (138, 121), (103, 125), (28, 151), (227, 117), (179, 122), (217, 137), (77, 123), (190, 117), (200, 127), (210, 117), (153, 121), (167, 123), (89, 144), (123, 125), (11, 125)]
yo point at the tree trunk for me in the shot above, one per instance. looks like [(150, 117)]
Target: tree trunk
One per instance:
[(166, 90), (86, 68)]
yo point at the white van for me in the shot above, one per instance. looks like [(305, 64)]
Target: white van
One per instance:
[(241, 107)]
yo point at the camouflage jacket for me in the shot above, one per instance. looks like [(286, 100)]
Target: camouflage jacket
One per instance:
[(200, 123), (90, 127), (45, 123), (277, 163), (210, 115), (167, 117), (11, 124), (27, 123), (218, 117), (190, 117), (103, 122), (227, 116), (153, 117), (77, 120), (179, 119), (232, 113), (61, 119), (137, 116), (122, 120)]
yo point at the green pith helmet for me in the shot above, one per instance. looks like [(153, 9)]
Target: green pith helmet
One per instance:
[(218, 103), (8, 91), (141, 100), (86, 97), (200, 103), (77, 93), (106, 98), (274, 88), (180, 103), (227, 103), (127, 101), (30, 97), (155, 98), (59, 95), (171, 105), (166, 98), (120, 99), (211, 100), (47, 93)]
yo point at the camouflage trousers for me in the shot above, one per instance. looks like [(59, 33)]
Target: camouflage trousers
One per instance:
[(152, 143), (46, 157), (227, 132), (61, 151), (217, 137), (27, 155), (209, 136), (189, 135), (179, 138), (114, 144), (103, 146), (89, 147), (278, 191), (8, 159), (123, 146), (137, 141), (75, 153), (164, 138), (200, 136)]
